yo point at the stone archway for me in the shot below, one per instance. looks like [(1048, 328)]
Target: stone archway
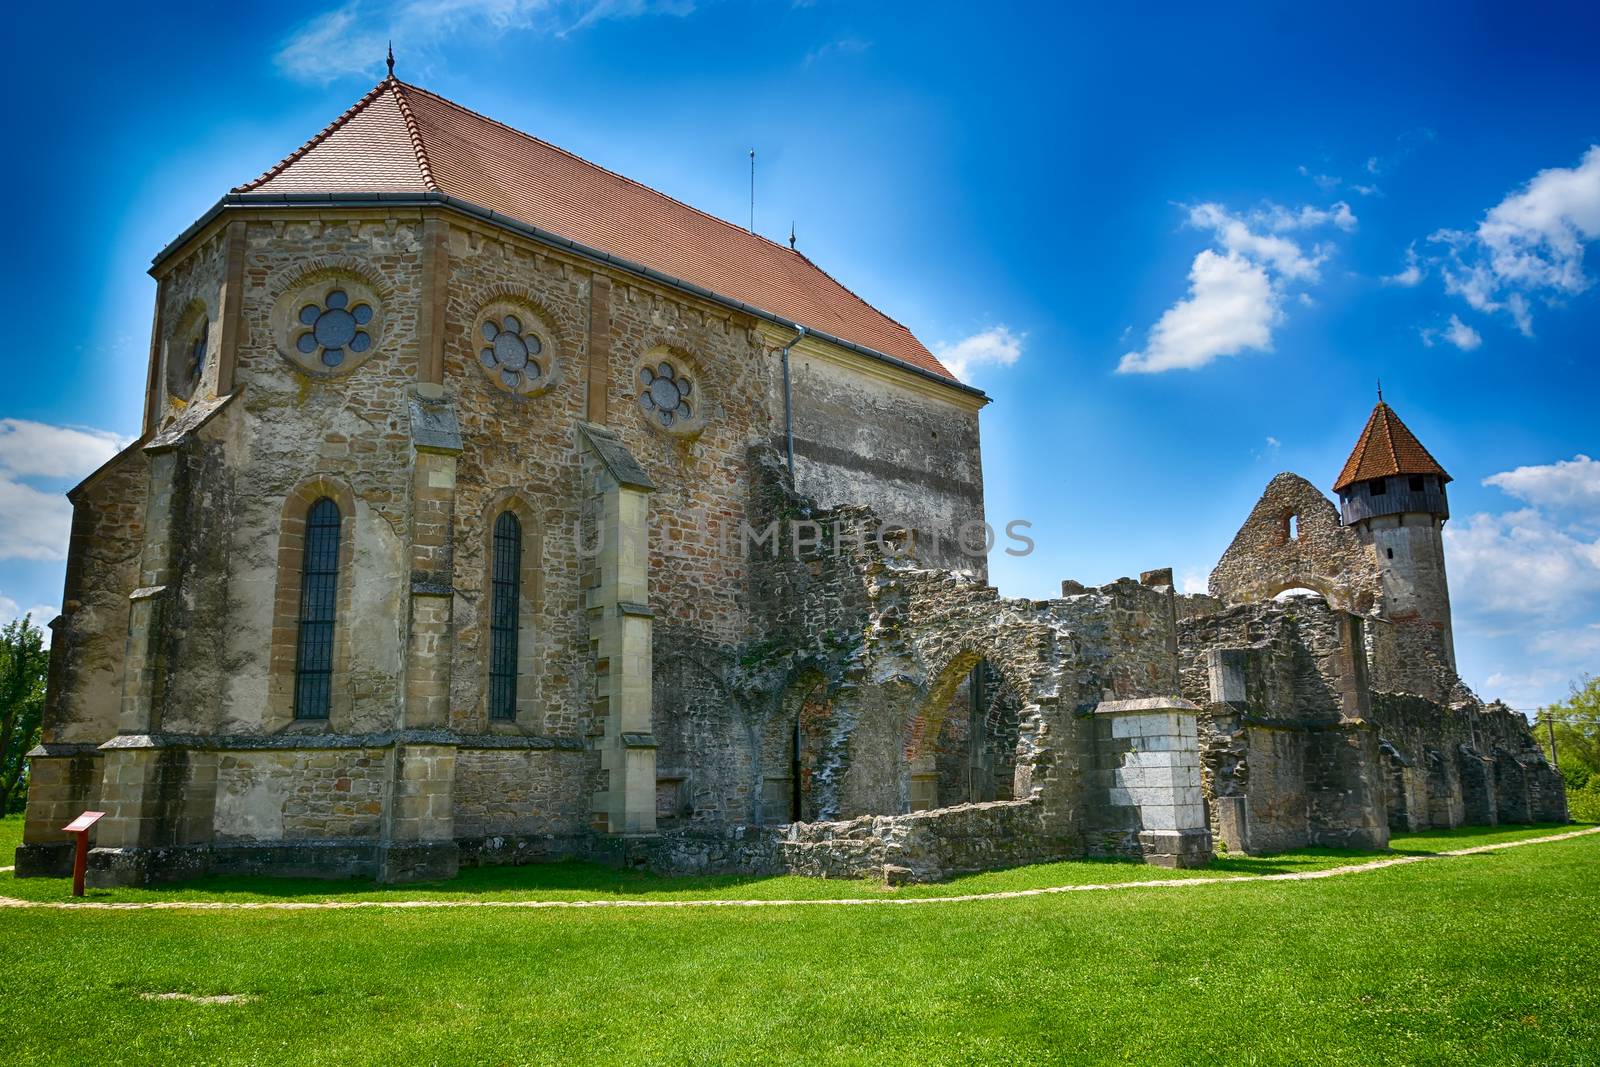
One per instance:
[(961, 744)]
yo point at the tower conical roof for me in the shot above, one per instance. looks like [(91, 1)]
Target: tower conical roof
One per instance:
[(1386, 447)]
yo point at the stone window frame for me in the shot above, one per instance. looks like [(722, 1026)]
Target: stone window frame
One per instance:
[(687, 366), (1289, 527), (286, 608), (312, 286), (534, 319), (530, 603), (178, 346)]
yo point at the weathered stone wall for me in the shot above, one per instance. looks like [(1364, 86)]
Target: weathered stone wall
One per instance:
[(1466, 762), (301, 795), (1264, 559), (897, 444), (1287, 695), (89, 638), (513, 792)]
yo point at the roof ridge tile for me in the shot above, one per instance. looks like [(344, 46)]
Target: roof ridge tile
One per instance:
[(415, 131)]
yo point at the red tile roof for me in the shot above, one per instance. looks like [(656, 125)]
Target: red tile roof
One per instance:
[(1386, 447), (399, 138)]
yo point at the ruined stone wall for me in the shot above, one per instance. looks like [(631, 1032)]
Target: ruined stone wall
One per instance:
[(1466, 762), (1263, 559), (1285, 686), (912, 455)]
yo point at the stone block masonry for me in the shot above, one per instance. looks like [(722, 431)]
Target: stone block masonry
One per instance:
[(1145, 798)]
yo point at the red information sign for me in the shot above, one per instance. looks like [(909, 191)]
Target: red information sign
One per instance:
[(84, 821), (80, 861)]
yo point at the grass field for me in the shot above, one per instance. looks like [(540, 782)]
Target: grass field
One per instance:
[(1491, 957)]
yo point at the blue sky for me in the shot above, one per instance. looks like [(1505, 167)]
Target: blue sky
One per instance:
[(1176, 248)]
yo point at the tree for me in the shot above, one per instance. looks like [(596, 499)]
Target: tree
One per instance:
[(1575, 722), (23, 665)]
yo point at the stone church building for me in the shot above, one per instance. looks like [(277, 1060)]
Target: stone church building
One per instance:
[(492, 508)]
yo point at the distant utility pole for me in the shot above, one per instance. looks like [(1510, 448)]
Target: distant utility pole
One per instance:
[(1550, 728)]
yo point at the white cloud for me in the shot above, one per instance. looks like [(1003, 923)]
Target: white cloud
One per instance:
[(40, 615), (35, 521), (844, 46), (1236, 296), (995, 347), (1192, 581), (33, 524), (1522, 564), (1572, 484), (1280, 219), (352, 39), (1530, 245), (1580, 644), (1529, 580), (1231, 308), (1282, 254), (1413, 272), (35, 449), (1460, 334)]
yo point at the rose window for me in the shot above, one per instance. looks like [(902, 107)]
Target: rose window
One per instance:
[(665, 393), (510, 352), (330, 326)]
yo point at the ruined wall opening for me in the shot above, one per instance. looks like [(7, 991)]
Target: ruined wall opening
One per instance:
[(793, 746), (964, 749)]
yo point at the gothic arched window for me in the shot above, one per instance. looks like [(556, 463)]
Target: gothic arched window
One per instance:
[(504, 616), (319, 589)]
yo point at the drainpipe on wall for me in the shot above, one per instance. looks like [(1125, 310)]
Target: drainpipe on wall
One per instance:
[(788, 407)]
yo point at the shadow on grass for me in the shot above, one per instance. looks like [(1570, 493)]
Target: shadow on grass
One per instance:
[(577, 879)]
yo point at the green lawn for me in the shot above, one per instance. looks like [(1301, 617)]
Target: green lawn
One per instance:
[(587, 881), (1483, 958), (10, 838)]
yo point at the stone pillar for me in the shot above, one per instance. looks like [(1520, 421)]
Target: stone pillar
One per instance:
[(144, 667), (63, 782), (436, 442), (418, 837), (620, 628), (1145, 795), (1345, 789), (419, 824), (1445, 810), (1479, 806), (151, 810), (159, 804)]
